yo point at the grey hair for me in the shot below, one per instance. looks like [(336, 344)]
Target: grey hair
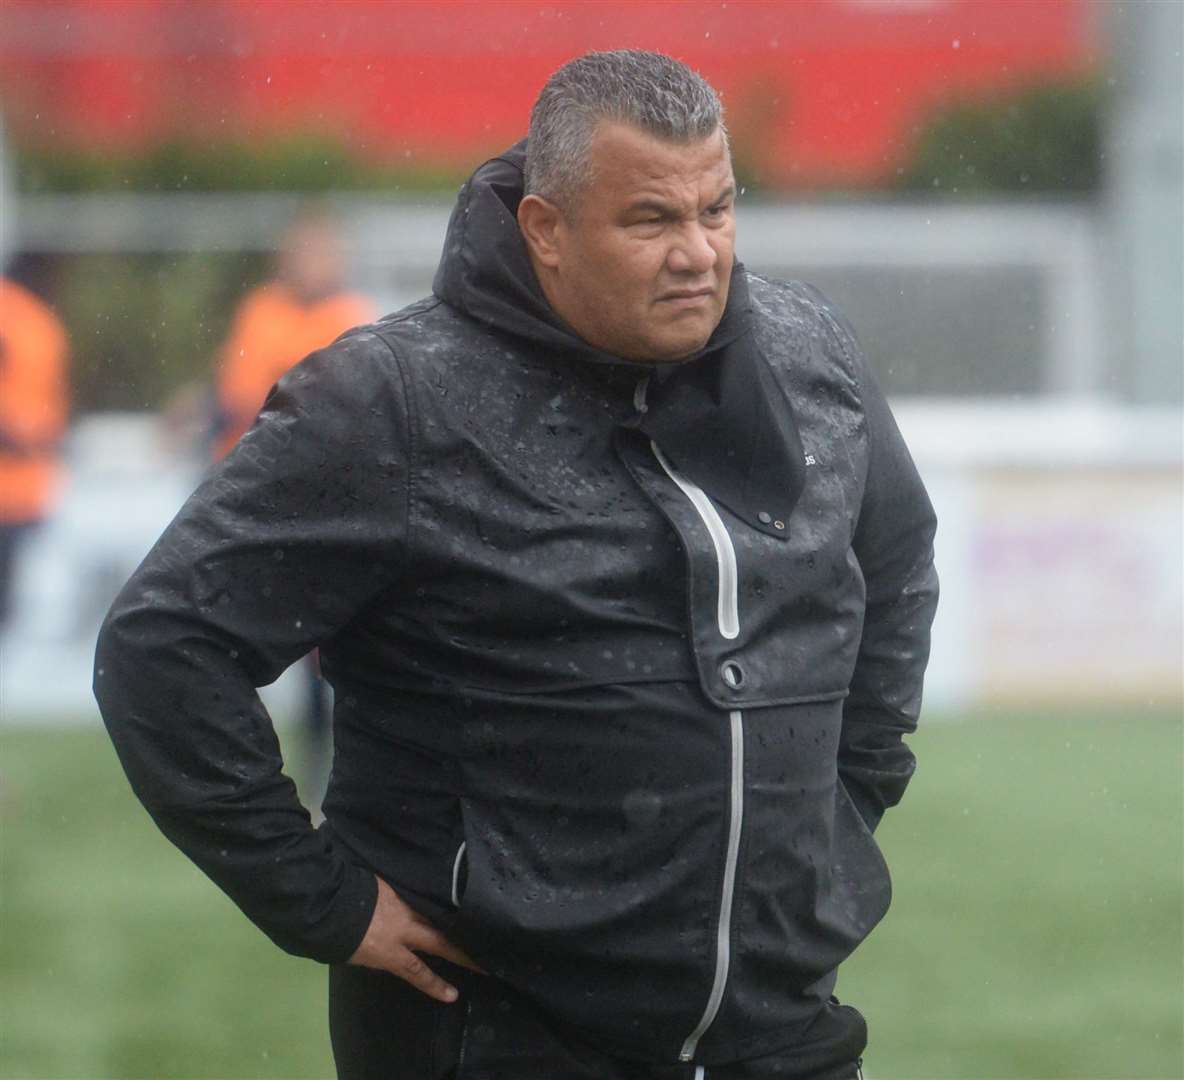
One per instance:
[(656, 93)]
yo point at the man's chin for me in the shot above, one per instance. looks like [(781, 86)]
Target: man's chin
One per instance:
[(682, 348), (677, 343)]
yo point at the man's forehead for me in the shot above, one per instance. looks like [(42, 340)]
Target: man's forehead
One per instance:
[(625, 157)]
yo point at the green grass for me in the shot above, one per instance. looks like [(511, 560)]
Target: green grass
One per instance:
[(1035, 931), (117, 957)]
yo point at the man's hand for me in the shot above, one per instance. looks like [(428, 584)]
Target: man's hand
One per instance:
[(396, 934)]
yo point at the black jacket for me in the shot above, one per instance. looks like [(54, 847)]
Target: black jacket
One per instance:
[(622, 655)]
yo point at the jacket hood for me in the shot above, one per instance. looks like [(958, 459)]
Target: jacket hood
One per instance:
[(486, 272), (719, 415)]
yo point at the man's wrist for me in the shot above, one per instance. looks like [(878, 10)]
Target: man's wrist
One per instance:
[(345, 925)]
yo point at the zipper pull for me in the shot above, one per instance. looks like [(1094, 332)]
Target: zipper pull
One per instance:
[(639, 392)]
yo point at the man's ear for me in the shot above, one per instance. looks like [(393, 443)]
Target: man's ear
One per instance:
[(541, 223)]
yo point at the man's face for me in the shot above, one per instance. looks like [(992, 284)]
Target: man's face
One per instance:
[(643, 259)]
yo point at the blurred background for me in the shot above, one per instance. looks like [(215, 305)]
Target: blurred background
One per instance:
[(991, 190)]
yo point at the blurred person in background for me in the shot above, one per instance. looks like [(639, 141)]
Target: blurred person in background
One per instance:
[(33, 408), (303, 308), (623, 577)]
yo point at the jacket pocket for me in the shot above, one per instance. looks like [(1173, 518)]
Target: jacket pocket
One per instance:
[(460, 874), (860, 869), (451, 864)]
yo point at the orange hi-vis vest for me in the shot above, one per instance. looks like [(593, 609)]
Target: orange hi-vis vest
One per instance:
[(33, 348), (271, 332)]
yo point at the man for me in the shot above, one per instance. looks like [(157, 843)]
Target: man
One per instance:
[(623, 579), (33, 408)]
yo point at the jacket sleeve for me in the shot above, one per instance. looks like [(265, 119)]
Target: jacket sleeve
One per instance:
[(893, 542), (288, 540)]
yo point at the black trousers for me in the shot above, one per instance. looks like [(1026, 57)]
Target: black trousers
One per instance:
[(383, 1029)]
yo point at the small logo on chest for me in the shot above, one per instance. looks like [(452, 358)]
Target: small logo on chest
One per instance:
[(810, 460)]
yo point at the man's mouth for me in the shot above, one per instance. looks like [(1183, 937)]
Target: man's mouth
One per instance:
[(687, 297)]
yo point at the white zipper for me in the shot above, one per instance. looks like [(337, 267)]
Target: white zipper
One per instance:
[(723, 947), (728, 618), (728, 614)]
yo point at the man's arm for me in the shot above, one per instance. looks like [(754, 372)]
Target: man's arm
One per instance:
[(288, 540), (894, 544)]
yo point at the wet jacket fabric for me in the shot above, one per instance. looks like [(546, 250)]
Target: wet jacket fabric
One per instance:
[(622, 654)]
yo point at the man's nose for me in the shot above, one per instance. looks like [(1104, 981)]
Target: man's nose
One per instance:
[(692, 252)]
